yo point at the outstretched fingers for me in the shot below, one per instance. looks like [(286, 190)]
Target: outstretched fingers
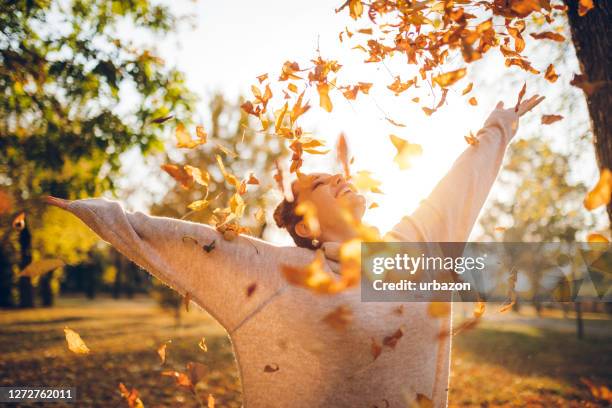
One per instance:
[(529, 104)]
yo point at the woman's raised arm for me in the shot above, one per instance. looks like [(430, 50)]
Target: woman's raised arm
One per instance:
[(192, 258), (450, 211)]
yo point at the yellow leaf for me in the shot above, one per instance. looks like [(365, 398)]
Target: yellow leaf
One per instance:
[(355, 8), (479, 309), (38, 268), (75, 343), (199, 205), (363, 181), (308, 211), (406, 152)]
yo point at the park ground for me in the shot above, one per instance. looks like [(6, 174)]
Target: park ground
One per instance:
[(510, 360)]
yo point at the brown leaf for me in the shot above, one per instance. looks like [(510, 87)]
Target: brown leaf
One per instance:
[(375, 349), (339, 318), (271, 368), (131, 396), (548, 35), (179, 174), (182, 380), (548, 119), (391, 341), (550, 74), (422, 401), (251, 289)]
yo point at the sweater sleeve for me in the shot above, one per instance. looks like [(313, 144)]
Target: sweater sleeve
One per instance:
[(194, 259), (450, 211)]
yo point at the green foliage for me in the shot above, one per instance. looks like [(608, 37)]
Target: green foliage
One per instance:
[(64, 73)]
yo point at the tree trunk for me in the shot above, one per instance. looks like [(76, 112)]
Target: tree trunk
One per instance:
[(6, 279), (592, 37), (45, 290), (579, 323), (26, 292)]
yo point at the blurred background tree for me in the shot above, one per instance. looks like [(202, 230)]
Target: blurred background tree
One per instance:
[(74, 97)]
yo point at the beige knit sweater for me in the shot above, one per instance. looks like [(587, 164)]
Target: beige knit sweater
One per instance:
[(287, 355)]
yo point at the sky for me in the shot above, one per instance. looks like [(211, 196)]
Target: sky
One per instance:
[(234, 42)]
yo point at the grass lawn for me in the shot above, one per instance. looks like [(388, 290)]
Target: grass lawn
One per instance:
[(508, 362)]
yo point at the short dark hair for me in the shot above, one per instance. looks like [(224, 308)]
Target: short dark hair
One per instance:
[(285, 217)]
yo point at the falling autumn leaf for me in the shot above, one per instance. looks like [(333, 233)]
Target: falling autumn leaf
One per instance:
[(211, 401), (549, 119), (251, 289), (471, 139), (161, 352), (406, 152), (449, 78), (391, 341), (584, 6), (41, 267), (179, 174), (355, 8), (262, 77), (342, 155), (601, 193), (324, 101), (479, 309), (131, 396), (202, 345), (548, 35), (375, 349), (339, 318), (473, 101), (184, 140), (594, 237), (75, 343), (19, 222), (271, 368), (467, 89), (550, 74)]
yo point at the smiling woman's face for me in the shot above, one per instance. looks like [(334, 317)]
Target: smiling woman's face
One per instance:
[(331, 195)]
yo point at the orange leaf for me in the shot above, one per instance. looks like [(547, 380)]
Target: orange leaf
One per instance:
[(438, 309), (550, 74), (355, 8), (449, 78), (584, 6), (342, 155), (597, 238), (600, 195), (473, 101), (479, 309), (548, 119), (520, 97), (471, 139), (324, 101), (19, 222)]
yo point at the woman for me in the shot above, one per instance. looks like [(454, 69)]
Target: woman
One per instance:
[(288, 356)]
